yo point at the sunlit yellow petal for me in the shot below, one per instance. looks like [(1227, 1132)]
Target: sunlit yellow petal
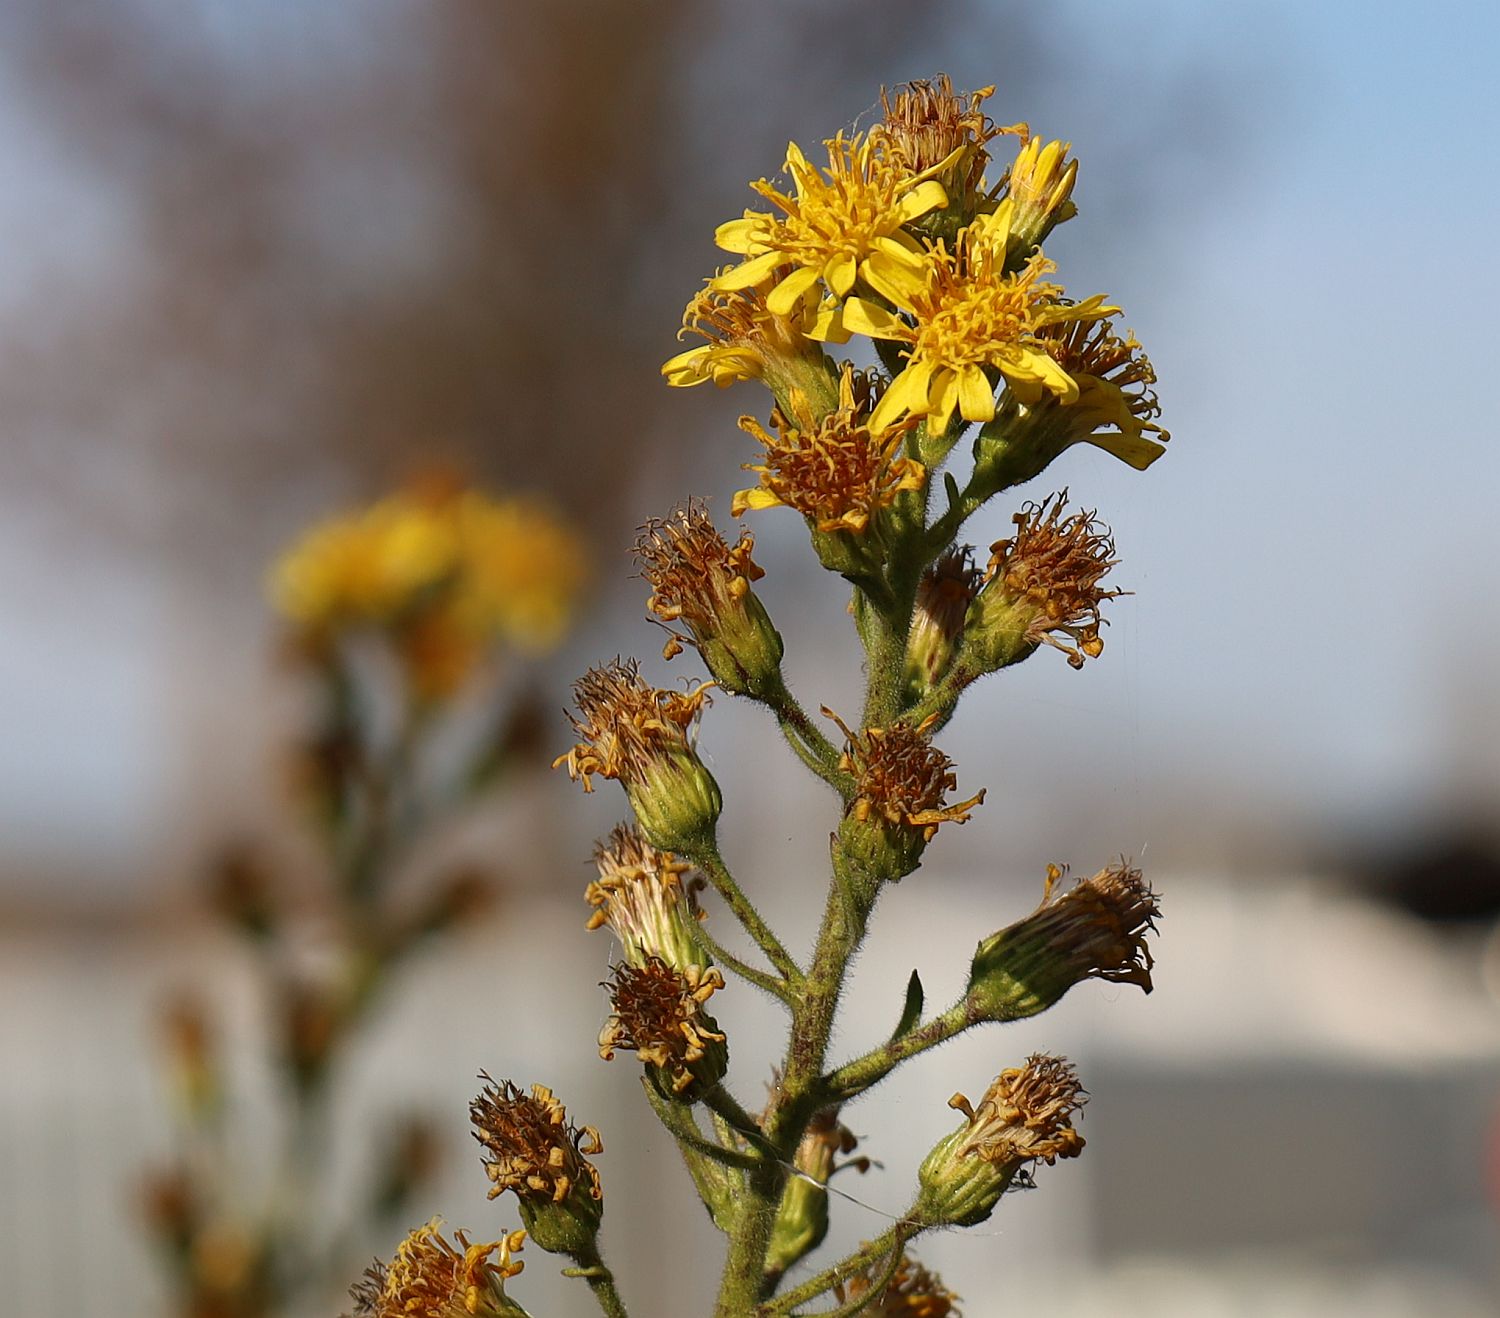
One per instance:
[(897, 281), (756, 497), (828, 326), (928, 196), (840, 273), (1135, 450), (866, 318), (686, 368), (739, 236), (783, 299), (748, 273), (943, 397), (976, 395)]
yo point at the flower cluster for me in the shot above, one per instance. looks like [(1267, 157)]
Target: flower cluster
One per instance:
[(445, 572), (430, 1278)]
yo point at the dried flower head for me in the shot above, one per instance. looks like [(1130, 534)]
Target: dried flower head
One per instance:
[(531, 1147), (429, 1278), (839, 470), (641, 895), (912, 1292), (697, 578), (1043, 584), (1024, 1117), (644, 738), (1094, 930), (658, 1013), (831, 224), (944, 594), (901, 778), (928, 126), (744, 339)]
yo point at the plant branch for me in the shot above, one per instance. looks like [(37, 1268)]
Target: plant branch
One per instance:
[(853, 1078), (712, 864), (890, 1242)]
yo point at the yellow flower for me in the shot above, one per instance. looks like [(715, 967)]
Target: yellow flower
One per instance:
[(839, 470), (969, 316), (745, 339), (443, 572), (1040, 191), (831, 225)]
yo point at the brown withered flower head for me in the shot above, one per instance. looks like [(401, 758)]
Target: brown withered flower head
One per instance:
[(658, 1014), (901, 778), (1042, 584), (531, 1147), (744, 340), (644, 738), (642, 895), (698, 578), (834, 469), (1094, 930), (429, 1278), (1024, 1117), (931, 128), (912, 1292), (944, 594)]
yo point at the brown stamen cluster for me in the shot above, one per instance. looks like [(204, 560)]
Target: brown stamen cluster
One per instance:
[(658, 1014), (530, 1146), (925, 123), (835, 470), (901, 777), (912, 1292), (1056, 563), (626, 724), (693, 572), (1098, 927), (1025, 1115)]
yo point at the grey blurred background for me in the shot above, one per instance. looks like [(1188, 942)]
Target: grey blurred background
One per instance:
[(260, 261)]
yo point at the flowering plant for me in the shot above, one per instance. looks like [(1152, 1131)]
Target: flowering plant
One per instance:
[(901, 244)]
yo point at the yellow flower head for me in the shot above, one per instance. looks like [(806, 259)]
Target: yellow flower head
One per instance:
[(840, 470), (830, 225), (1047, 577), (658, 1014), (1116, 408), (968, 316), (912, 1292), (443, 572), (745, 340), (429, 1278), (1039, 189), (530, 1147)]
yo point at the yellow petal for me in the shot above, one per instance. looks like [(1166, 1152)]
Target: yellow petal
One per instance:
[(748, 273), (686, 368), (942, 398), (897, 281), (828, 326), (1029, 364), (741, 236), (840, 272), (976, 395), (1134, 450), (757, 497), (866, 318), (783, 299), (907, 393), (928, 196)]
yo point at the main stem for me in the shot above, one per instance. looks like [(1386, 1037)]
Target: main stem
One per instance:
[(851, 896)]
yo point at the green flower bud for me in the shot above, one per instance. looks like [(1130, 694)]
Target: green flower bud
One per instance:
[(1094, 930), (696, 578), (1024, 1117), (944, 595), (802, 1216)]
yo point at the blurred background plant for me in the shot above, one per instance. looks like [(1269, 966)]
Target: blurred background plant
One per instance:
[(404, 621)]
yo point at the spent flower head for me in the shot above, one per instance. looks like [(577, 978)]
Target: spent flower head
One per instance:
[(1042, 585), (641, 895), (1024, 1117), (532, 1149), (1094, 930), (644, 738), (430, 1278), (838, 469), (911, 1292), (699, 579), (658, 1014), (901, 784), (944, 595)]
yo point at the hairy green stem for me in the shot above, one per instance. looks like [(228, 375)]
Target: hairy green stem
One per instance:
[(888, 1243), (707, 859), (601, 1282), (853, 1078)]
